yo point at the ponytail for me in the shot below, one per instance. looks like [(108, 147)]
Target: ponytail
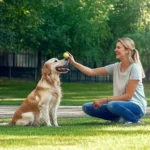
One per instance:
[(134, 57)]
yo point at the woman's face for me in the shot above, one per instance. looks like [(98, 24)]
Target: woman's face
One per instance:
[(120, 51)]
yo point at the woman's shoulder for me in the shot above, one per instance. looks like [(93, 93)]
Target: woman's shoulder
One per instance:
[(136, 71), (136, 66), (115, 64), (111, 68)]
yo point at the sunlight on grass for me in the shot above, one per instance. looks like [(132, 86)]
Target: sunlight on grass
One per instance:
[(85, 133), (75, 133), (12, 92), (80, 97), (12, 99)]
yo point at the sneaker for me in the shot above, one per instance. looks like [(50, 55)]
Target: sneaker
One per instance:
[(128, 123), (108, 122), (140, 122), (111, 121), (121, 120)]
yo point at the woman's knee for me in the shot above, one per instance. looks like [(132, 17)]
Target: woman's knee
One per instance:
[(112, 106), (86, 107)]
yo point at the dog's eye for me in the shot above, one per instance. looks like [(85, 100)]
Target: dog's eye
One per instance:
[(55, 60)]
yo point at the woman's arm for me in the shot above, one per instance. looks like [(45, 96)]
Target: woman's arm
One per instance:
[(90, 72), (86, 70), (131, 87)]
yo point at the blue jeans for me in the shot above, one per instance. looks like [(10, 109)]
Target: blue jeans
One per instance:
[(114, 110)]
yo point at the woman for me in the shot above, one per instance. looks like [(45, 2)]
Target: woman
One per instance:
[(128, 103)]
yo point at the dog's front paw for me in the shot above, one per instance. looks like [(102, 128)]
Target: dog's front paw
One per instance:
[(57, 126), (49, 125)]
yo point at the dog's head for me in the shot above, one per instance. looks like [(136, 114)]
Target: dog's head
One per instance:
[(55, 66)]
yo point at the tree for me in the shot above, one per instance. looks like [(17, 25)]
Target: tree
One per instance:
[(86, 28), (8, 35), (142, 35)]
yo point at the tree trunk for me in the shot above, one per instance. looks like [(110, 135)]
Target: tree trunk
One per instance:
[(39, 66)]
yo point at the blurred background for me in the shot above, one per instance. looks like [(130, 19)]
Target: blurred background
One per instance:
[(32, 31)]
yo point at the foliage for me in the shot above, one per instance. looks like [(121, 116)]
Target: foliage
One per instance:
[(88, 29), (8, 35), (143, 46)]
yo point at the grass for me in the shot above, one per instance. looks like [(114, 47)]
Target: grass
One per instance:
[(14, 92), (77, 134), (85, 133)]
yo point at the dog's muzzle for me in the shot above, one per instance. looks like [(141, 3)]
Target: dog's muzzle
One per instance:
[(63, 69)]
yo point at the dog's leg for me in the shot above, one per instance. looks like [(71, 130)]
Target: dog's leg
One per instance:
[(54, 114), (27, 119), (44, 115), (50, 114)]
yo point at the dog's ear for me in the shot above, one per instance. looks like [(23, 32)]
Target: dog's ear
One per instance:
[(46, 69), (48, 66), (46, 73)]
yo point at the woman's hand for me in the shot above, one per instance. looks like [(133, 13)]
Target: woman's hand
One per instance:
[(99, 102), (71, 59)]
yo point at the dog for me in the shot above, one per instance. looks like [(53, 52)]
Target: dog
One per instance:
[(40, 106)]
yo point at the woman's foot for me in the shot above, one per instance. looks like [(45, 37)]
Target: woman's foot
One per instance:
[(119, 120), (140, 122)]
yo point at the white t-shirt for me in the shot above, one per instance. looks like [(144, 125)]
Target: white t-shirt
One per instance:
[(121, 79)]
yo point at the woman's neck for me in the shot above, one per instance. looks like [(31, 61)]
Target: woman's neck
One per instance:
[(124, 65)]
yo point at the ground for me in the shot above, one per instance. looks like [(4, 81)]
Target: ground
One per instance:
[(74, 94), (81, 133)]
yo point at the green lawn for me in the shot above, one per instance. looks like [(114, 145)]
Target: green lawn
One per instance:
[(85, 133), (77, 134), (14, 92)]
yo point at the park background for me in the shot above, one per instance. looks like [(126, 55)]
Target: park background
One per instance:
[(33, 31)]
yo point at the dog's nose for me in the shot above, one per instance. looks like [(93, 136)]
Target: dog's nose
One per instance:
[(66, 60)]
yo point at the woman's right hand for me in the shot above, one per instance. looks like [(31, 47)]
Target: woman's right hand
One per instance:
[(71, 59)]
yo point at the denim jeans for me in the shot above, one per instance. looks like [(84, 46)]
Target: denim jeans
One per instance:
[(114, 110)]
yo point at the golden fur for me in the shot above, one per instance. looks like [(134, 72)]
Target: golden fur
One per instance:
[(41, 104)]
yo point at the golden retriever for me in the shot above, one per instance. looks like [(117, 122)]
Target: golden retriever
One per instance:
[(40, 106)]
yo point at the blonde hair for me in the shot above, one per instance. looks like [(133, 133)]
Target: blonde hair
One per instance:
[(133, 52)]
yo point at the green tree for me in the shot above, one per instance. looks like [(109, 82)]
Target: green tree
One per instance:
[(86, 28), (8, 35)]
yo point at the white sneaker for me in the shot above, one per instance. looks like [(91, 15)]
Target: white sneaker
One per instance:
[(121, 120), (128, 123), (140, 122)]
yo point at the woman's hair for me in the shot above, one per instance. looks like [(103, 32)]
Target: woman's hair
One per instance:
[(133, 52)]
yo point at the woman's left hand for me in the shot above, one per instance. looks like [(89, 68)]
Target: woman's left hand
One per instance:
[(99, 102)]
